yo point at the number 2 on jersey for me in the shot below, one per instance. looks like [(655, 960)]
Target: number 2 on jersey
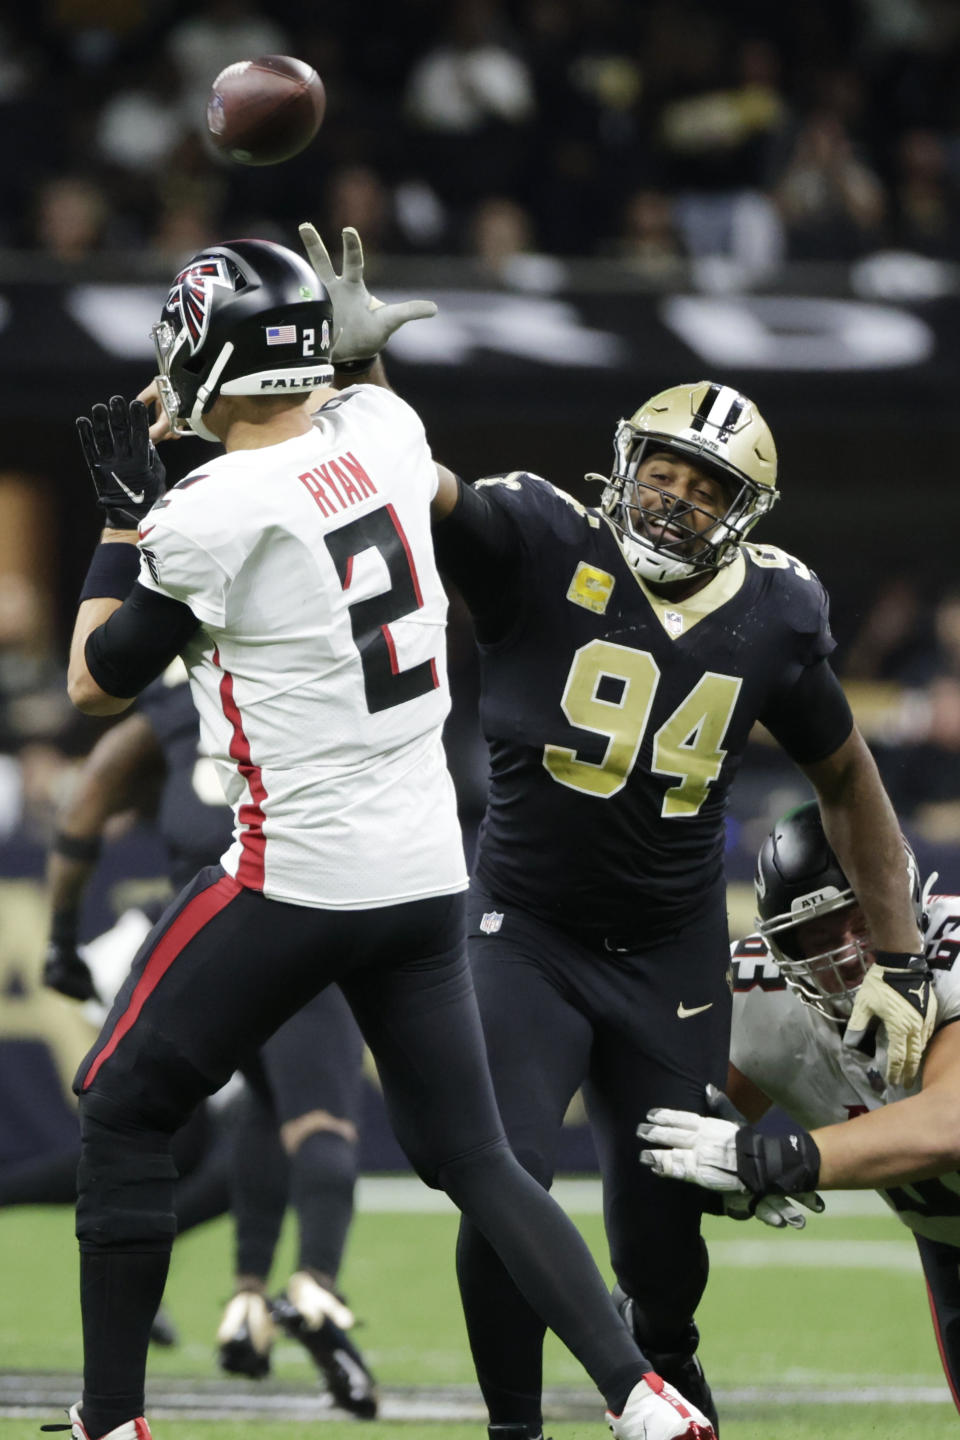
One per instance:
[(688, 745), (385, 684)]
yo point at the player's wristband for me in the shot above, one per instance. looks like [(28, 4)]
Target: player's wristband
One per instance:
[(355, 367), (77, 847), (777, 1164), (899, 960), (113, 572)]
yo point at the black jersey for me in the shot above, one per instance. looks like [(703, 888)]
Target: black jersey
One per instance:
[(194, 820), (616, 719)]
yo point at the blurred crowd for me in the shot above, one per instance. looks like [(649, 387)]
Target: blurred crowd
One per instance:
[(637, 132), (641, 131)]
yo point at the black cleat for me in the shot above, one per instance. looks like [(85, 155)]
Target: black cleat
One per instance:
[(310, 1314), (245, 1336), (678, 1365)]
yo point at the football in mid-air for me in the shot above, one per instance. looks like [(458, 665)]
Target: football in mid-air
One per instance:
[(263, 111)]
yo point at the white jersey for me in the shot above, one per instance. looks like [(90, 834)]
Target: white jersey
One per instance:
[(797, 1057), (319, 672)]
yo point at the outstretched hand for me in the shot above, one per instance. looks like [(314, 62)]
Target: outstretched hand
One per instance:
[(362, 324), (721, 1152)]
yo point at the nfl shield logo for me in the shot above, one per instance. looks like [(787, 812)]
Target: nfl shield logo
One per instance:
[(674, 622), (491, 922)]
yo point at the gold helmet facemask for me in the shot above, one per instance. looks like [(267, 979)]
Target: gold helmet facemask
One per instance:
[(715, 428)]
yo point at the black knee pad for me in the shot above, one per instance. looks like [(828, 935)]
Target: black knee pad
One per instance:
[(125, 1180)]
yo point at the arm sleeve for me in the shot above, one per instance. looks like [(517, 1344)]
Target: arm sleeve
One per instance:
[(138, 642), (812, 718), (479, 549)]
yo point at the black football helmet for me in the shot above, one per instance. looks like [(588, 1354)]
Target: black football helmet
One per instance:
[(245, 318), (799, 879)]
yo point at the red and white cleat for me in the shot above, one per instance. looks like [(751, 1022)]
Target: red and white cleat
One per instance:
[(656, 1411), (130, 1429)]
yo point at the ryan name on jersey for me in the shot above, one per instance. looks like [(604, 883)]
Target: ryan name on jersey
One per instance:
[(337, 485)]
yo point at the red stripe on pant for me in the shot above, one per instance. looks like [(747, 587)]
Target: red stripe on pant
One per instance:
[(943, 1353), (197, 913)]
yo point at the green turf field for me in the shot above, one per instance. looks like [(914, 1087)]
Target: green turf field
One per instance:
[(839, 1309)]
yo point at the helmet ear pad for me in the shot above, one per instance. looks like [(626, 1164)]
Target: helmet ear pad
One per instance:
[(245, 318)]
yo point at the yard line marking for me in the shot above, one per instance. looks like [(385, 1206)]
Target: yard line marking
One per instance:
[(809, 1254), (385, 1194), (28, 1396)]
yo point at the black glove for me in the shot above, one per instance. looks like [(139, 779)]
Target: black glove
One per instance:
[(128, 474), (63, 970)]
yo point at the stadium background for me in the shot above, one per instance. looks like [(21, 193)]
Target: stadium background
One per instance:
[(604, 198)]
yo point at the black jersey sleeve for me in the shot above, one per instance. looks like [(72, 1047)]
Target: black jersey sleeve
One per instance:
[(138, 641), (812, 718), (479, 549)]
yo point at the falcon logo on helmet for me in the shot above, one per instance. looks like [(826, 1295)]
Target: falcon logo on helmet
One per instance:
[(190, 297), (217, 334), (715, 428)]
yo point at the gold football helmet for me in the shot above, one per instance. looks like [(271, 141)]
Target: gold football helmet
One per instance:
[(714, 427)]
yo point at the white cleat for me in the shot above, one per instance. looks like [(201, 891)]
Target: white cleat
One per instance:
[(130, 1429), (656, 1411)]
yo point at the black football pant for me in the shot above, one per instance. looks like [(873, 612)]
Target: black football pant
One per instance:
[(223, 969), (941, 1268), (635, 1030), (296, 1138)]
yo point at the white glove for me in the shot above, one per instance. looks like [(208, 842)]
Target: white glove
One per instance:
[(704, 1150), (902, 999), (362, 325)]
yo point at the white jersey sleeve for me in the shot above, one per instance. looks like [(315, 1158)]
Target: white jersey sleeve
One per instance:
[(180, 557), (941, 941)]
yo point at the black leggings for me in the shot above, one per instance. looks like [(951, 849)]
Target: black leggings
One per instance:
[(941, 1268), (558, 1015), (222, 969)]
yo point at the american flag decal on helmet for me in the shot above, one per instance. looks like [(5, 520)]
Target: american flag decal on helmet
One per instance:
[(721, 407), (189, 297)]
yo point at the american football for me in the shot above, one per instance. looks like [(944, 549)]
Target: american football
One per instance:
[(267, 110)]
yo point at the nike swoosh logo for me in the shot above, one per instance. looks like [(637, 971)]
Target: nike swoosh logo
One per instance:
[(145, 533), (684, 1013), (137, 499)]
